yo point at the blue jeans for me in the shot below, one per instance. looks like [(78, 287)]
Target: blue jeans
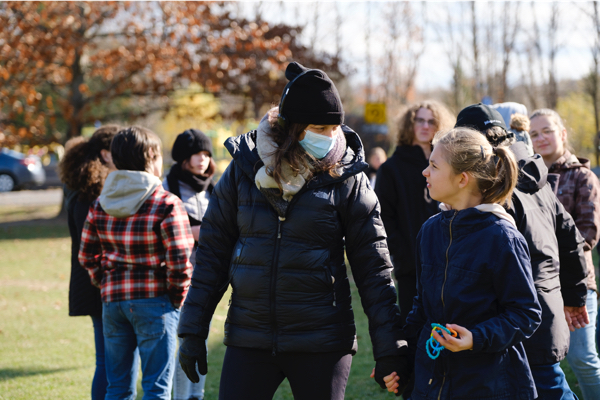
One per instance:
[(183, 388), (151, 326), (551, 383), (99, 383), (583, 356)]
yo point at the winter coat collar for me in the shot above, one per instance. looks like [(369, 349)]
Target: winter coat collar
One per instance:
[(124, 192), (244, 152), (412, 154), (569, 161), (495, 209), (467, 221)]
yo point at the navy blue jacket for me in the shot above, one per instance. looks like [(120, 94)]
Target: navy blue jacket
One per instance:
[(290, 288), (473, 269)]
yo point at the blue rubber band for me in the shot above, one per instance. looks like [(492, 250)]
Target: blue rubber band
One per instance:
[(436, 347)]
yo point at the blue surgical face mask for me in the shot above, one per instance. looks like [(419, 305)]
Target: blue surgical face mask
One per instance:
[(317, 145)]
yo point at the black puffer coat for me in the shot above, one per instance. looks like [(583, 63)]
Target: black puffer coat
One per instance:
[(290, 289), (84, 298), (557, 259)]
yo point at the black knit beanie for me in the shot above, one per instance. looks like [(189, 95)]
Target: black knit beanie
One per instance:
[(188, 143), (310, 99)]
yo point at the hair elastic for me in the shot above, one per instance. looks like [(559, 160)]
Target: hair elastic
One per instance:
[(482, 152)]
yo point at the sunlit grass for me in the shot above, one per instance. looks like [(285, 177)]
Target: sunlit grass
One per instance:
[(45, 354)]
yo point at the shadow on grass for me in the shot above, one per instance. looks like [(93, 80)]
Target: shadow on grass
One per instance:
[(7, 374), (35, 229)]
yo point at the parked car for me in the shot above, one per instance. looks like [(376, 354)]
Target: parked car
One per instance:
[(18, 171)]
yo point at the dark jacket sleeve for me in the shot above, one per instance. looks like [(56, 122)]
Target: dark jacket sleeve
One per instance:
[(573, 269), (217, 239), (587, 211), (398, 241), (521, 312), (416, 319), (369, 259)]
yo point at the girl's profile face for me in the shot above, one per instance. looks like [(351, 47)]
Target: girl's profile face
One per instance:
[(198, 163), (547, 137), (442, 182), (425, 127), (325, 130)]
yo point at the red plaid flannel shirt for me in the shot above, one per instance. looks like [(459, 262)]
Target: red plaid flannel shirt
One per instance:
[(142, 256)]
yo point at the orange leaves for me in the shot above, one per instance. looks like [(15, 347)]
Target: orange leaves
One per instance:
[(68, 63)]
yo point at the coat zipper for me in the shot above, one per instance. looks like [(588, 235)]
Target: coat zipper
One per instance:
[(447, 261), (273, 282), (441, 387), (442, 294)]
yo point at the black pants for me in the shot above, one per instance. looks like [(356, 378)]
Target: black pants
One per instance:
[(256, 374), (406, 285), (407, 290)]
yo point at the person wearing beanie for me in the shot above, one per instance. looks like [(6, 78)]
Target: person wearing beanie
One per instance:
[(191, 179), (291, 202), (557, 255)]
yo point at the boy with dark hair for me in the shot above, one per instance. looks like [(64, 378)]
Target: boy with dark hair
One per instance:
[(136, 245)]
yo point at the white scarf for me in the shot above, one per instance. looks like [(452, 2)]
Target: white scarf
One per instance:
[(291, 182), (495, 209)]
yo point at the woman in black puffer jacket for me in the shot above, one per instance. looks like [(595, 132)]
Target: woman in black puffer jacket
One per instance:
[(293, 198)]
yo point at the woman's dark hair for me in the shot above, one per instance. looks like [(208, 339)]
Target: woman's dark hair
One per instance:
[(82, 167), (210, 170), (494, 168), (131, 147), (288, 147)]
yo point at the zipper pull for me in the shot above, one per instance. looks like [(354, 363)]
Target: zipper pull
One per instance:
[(279, 229), (273, 353)]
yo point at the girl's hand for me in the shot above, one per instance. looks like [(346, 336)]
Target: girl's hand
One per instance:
[(391, 381), (463, 342)]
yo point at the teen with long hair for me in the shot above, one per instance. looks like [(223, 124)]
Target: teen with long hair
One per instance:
[(83, 170), (579, 191), (402, 191)]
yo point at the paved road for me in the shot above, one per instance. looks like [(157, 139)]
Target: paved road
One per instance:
[(45, 197)]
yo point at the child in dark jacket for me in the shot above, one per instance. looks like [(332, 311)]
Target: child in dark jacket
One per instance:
[(473, 277)]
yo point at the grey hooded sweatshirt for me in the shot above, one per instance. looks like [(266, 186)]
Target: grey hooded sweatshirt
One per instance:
[(125, 191)]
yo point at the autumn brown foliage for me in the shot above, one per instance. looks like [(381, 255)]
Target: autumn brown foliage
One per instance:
[(67, 64)]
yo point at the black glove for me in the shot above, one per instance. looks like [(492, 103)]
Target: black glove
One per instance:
[(402, 365), (191, 351)]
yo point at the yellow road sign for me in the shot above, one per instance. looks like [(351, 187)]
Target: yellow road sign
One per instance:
[(375, 113)]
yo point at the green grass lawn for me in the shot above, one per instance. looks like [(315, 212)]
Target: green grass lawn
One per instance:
[(46, 354)]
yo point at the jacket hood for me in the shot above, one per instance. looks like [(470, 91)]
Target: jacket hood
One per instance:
[(244, 152), (124, 192), (533, 173)]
